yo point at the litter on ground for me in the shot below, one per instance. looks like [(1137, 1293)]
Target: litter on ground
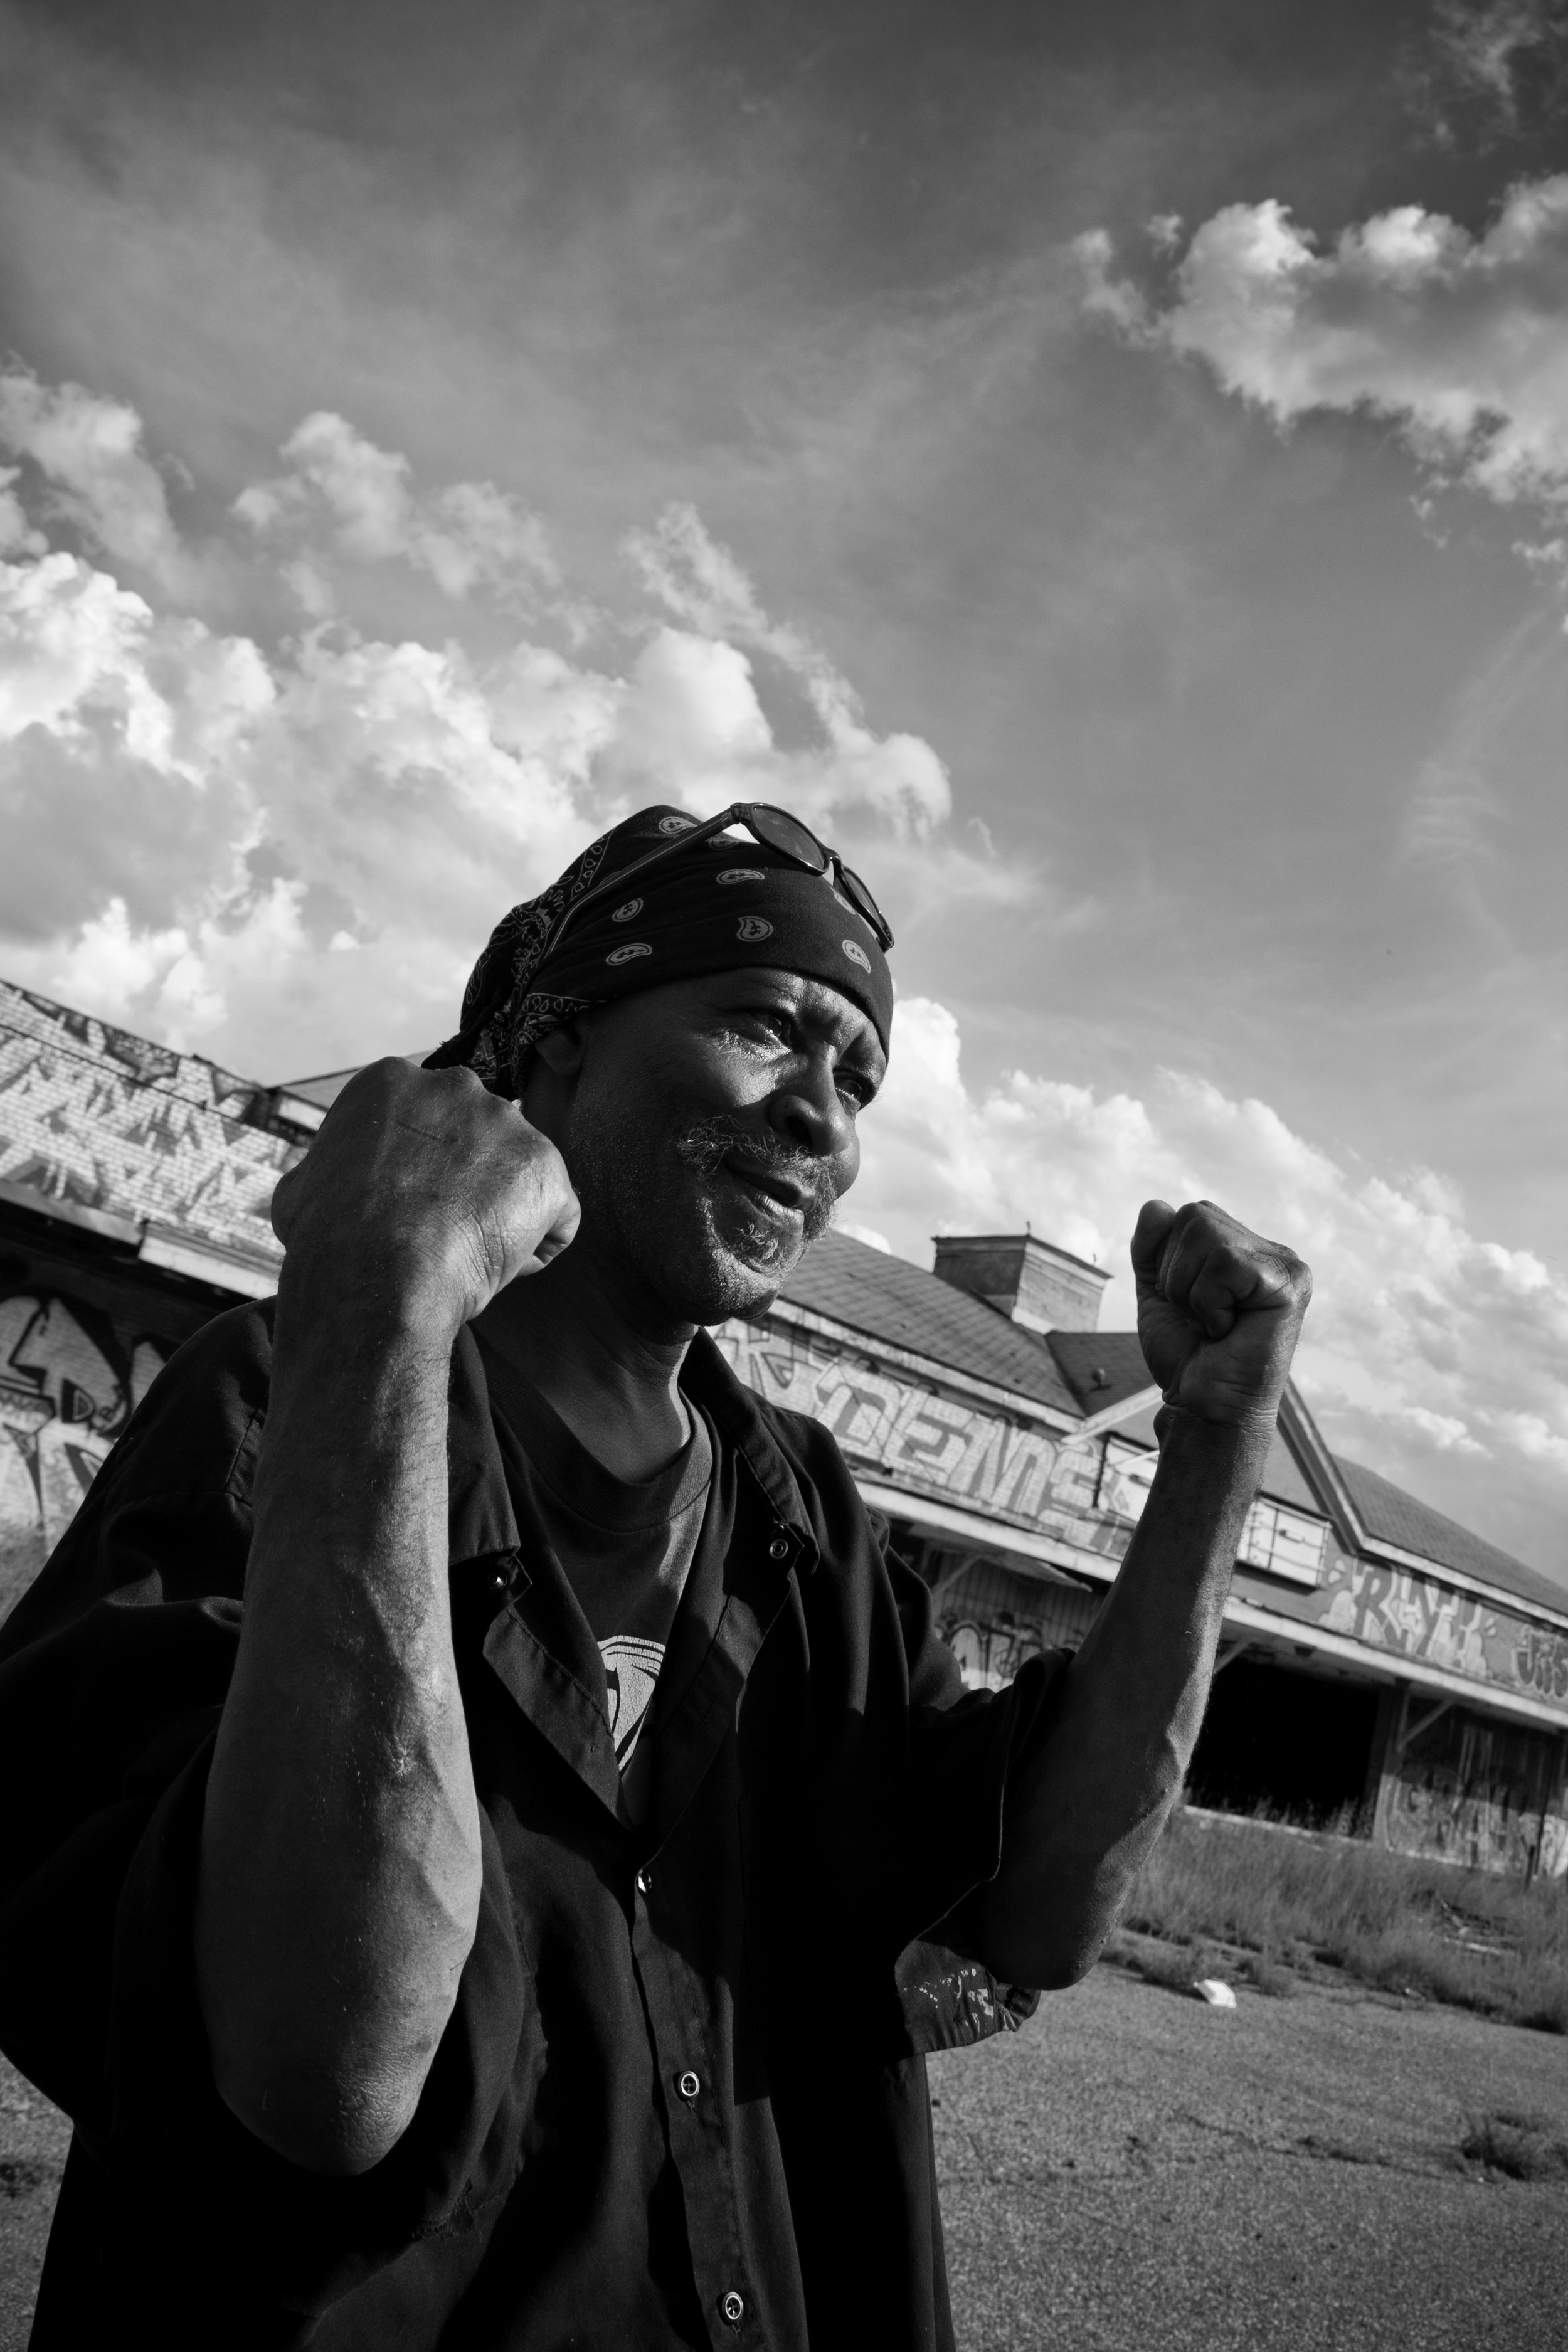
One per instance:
[(1216, 1991)]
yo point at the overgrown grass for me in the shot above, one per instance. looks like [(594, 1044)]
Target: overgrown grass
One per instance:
[(1293, 1903), (1525, 2148)]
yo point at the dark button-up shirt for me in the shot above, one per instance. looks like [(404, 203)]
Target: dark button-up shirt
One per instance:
[(681, 2098)]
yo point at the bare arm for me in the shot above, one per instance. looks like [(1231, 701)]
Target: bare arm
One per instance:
[(340, 1867), (1218, 1315)]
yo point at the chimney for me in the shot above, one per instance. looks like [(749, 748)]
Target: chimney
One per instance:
[(1033, 1282)]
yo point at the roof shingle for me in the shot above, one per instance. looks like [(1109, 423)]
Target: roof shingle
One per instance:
[(1393, 1517), (1114, 1356), (889, 1299)]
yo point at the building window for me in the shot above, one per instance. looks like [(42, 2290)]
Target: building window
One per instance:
[(1283, 1542)]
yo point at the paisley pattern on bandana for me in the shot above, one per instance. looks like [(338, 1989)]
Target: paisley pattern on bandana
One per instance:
[(513, 1017), (685, 925)]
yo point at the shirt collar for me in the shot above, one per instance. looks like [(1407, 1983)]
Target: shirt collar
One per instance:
[(480, 1518), (480, 1523), (739, 1416)]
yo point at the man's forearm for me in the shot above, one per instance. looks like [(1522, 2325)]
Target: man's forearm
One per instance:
[(1082, 1819), (340, 1874)]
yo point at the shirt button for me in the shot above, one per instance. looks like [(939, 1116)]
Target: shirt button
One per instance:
[(778, 1548), (689, 2084), (645, 1881), (732, 2308)]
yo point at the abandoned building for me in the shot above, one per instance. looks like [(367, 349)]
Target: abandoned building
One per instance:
[(1383, 1668)]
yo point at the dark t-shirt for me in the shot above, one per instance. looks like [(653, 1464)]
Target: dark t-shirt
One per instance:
[(626, 1545)]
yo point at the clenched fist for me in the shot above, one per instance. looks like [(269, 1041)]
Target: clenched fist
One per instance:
[(1218, 1311), (422, 1189)]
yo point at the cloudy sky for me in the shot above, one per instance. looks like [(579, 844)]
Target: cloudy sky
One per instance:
[(1107, 465)]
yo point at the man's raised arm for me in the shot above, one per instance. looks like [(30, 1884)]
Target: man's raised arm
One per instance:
[(1218, 1313), (340, 1863)]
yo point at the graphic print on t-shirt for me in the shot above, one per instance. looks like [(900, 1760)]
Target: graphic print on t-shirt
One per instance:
[(631, 1671)]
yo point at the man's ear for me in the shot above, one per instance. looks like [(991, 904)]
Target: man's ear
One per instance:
[(554, 1065), (560, 1050)]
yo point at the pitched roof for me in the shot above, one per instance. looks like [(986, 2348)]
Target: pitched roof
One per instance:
[(324, 1090), (1391, 1515), (889, 1299), (94, 1116), (1099, 1367)]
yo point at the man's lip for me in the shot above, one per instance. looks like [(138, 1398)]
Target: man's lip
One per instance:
[(783, 1190)]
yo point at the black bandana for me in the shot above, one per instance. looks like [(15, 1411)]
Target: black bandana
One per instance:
[(731, 901)]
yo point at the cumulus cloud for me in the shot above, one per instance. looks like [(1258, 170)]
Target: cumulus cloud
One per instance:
[(193, 821), (1429, 1353), (898, 778), (466, 536), (100, 478), (287, 852), (1461, 339)]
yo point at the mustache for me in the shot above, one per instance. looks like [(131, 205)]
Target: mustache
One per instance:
[(704, 1144)]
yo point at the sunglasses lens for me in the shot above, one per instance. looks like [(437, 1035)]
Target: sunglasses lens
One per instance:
[(781, 831), (855, 890)]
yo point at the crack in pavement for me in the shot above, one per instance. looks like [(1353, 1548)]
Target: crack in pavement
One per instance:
[(1139, 2157)]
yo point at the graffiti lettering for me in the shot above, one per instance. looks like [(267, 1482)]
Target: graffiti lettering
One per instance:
[(1395, 1608), (69, 1382), (1091, 1495), (990, 1654), (96, 1118), (931, 1442), (1479, 1792), (1541, 1661)]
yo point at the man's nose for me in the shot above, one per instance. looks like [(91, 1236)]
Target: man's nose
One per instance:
[(809, 1112)]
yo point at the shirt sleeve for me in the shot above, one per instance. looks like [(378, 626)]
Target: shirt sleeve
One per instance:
[(905, 1840), (113, 1671), (964, 1747)]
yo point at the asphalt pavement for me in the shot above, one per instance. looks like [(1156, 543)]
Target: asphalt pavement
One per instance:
[(1135, 2172)]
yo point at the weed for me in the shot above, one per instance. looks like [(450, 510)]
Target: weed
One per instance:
[(1264, 1974), (1526, 2148), (1174, 1966), (1491, 1944)]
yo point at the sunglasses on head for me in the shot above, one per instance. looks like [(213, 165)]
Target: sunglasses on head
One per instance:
[(774, 828)]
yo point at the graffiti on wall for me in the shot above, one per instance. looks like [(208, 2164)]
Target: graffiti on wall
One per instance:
[(1022, 1475), (1395, 1608), (994, 1620), (93, 1115), (969, 1454), (1469, 1789), (69, 1380), (991, 1650)]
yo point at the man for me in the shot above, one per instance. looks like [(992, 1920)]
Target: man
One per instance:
[(522, 1922)]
